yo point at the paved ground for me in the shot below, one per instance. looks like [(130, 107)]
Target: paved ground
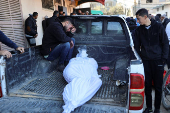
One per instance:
[(163, 110)]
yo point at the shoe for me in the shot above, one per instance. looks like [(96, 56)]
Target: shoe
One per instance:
[(61, 67), (157, 111), (148, 110)]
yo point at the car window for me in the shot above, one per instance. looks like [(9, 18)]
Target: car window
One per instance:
[(96, 28), (81, 27), (114, 28)]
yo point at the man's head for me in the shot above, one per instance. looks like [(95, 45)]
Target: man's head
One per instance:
[(87, 12), (64, 14), (35, 15), (61, 12), (149, 16), (79, 11), (56, 13), (159, 15), (163, 17), (68, 24), (142, 16)]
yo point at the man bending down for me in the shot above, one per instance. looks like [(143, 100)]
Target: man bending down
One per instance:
[(58, 42)]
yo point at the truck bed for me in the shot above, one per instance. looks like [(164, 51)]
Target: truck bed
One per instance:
[(34, 85), (43, 94), (51, 86)]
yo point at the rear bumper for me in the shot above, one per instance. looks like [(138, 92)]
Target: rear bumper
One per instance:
[(136, 111)]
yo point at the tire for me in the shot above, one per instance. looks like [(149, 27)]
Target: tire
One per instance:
[(165, 101)]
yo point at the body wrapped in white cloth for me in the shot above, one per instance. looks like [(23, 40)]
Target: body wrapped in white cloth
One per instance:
[(83, 81)]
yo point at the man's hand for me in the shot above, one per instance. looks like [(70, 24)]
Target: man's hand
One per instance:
[(71, 44), (6, 53), (73, 30), (36, 36), (21, 49)]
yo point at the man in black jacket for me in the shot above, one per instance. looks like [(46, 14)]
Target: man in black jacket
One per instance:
[(31, 29), (52, 19), (58, 42), (151, 43)]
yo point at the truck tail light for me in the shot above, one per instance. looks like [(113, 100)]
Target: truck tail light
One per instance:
[(137, 81), (136, 100), (136, 91)]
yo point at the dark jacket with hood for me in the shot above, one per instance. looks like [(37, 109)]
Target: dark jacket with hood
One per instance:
[(51, 20), (166, 21), (31, 22), (53, 36), (152, 43)]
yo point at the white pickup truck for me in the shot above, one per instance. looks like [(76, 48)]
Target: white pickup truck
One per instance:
[(31, 84)]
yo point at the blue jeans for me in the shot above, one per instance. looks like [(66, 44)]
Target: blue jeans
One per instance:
[(63, 51)]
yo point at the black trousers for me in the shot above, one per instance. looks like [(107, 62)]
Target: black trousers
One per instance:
[(153, 72), (168, 62), (31, 43)]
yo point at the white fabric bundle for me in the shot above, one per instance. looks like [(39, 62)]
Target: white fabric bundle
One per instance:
[(83, 81)]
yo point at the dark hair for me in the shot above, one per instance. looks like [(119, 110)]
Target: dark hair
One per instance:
[(142, 12), (69, 20), (55, 13), (159, 15), (35, 14), (63, 12)]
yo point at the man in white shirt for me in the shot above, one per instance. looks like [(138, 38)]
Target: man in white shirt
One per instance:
[(166, 24)]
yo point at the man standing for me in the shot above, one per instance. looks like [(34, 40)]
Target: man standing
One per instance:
[(58, 42), (79, 12), (31, 29), (5, 40), (152, 45), (166, 24)]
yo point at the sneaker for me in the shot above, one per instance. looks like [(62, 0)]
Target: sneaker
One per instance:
[(148, 110), (157, 111), (61, 67)]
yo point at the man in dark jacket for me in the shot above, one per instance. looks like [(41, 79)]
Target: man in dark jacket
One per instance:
[(31, 29), (5, 40), (158, 18), (58, 42), (151, 43), (52, 19)]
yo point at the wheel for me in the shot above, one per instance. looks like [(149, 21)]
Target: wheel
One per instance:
[(166, 91)]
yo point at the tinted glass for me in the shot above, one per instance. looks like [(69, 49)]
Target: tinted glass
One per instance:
[(114, 28), (81, 27), (96, 28)]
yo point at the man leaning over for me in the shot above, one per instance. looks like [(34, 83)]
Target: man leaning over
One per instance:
[(58, 42)]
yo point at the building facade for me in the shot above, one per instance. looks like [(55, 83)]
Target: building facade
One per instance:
[(162, 8)]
